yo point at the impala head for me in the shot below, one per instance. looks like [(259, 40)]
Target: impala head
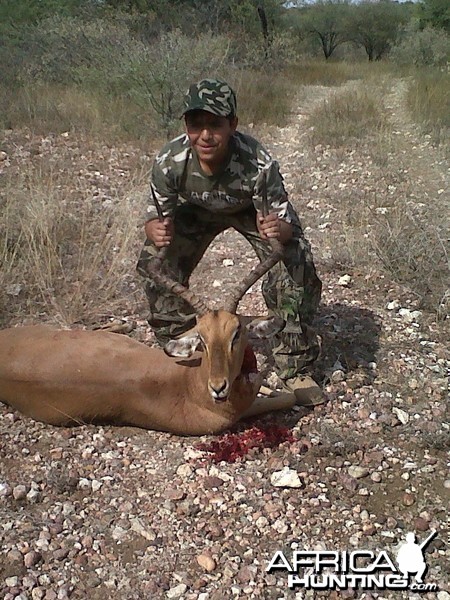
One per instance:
[(223, 337)]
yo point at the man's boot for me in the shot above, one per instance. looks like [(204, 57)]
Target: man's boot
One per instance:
[(307, 392)]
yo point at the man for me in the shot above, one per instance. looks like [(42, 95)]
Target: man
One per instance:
[(208, 180)]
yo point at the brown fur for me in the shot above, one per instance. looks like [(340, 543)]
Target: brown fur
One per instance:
[(65, 377)]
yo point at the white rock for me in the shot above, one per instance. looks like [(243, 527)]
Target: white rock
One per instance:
[(285, 478), (216, 283), (184, 470), (401, 415), (357, 471), (228, 262), (392, 305), (33, 495), (344, 280), (5, 490), (337, 376), (177, 591), (138, 527), (409, 315)]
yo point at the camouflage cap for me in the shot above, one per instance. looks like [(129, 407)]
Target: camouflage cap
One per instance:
[(212, 95)]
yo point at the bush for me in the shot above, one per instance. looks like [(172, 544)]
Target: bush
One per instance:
[(251, 52), (159, 75), (421, 48), (101, 55)]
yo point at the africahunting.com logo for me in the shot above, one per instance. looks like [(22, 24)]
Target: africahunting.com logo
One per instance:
[(361, 569)]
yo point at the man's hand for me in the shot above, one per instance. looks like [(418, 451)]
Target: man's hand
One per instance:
[(272, 227), (159, 232)]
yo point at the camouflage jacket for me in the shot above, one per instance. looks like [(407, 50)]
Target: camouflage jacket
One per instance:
[(178, 178)]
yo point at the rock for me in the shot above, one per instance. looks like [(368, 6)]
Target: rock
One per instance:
[(20, 492), (31, 559), (357, 471), (211, 482), (421, 524), (175, 494), (408, 499), (206, 562), (5, 490), (96, 485), (344, 280), (337, 376), (177, 591), (392, 305), (409, 315), (376, 477), (228, 262), (349, 483), (184, 470), (61, 553), (285, 478), (401, 415), (246, 574)]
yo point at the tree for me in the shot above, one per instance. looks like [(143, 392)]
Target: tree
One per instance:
[(435, 13), (325, 21), (374, 26)]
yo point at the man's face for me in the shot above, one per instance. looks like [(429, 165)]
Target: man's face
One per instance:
[(209, 136)]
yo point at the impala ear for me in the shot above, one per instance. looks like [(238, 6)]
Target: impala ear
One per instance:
[(266, 327), (183, 347)]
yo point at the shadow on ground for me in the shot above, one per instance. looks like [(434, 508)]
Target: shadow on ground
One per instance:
[(350, 342)]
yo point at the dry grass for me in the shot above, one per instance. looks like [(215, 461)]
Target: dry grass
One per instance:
[(262, 97), (65, 254), (333, 74), (428, 101), (392, 226), (49, 107), (398, 235), (348, 114)]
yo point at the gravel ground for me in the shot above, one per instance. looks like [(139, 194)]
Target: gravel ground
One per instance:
[(97, 512)]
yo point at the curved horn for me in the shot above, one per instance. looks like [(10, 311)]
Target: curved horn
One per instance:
[(155, 268), (264, 266)]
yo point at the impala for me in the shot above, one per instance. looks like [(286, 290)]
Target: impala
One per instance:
[(201, 383)]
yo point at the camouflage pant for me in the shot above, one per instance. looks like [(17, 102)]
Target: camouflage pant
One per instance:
[(291, 290)]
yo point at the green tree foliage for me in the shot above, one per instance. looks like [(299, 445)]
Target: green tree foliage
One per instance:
[(326, 21), (218, 16), (16, 13), (435, 13), (374, 25)]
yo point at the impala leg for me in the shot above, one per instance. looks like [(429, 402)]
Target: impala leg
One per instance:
[(264, 405)]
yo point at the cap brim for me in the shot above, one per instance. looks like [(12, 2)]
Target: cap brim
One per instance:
[(206, 108)]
